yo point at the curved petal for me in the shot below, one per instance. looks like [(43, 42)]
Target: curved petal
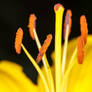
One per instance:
[(80, 77), (12, 79)]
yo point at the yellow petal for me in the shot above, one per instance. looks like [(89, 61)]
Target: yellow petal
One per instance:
[(12, 79), (80, 77)]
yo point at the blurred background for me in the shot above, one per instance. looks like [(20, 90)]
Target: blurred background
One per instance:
[(15, 14)]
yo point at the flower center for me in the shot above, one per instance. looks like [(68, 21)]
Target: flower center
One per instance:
[(60, 84)]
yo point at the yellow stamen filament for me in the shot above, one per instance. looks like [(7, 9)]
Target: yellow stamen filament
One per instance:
[(72, 58), (65, 51), (45, 63), (64, 56), (59, 9), (71, 64), (37, 39), (36, 67), (67, 31)]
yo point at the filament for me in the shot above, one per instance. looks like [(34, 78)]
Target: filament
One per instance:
[(45, 63), (65, 52), (36, 67), (71, 64), (67, 30)]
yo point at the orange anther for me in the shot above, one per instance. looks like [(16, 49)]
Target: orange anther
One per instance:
[(80, 49), (18, 40), (84, 29), (32, 24), (68, 21), (57, 6), (44, 48)]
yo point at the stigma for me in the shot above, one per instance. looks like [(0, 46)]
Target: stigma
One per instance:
[(61, 75)]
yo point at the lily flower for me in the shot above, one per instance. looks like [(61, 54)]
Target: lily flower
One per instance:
[(72, 66)]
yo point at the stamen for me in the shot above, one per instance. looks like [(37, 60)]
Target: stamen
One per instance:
[(44, 48), (65, 51), (18, 40), (84, 29), (71, 64), (68, 20), (80, 49), (32, 25), (59, 9), (67, 30), (45, 63), (36, 67)]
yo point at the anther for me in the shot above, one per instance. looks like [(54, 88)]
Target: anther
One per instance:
[(44, 48), (68, 21), (84, 29), (80, 49), (32, 25), (18, 40)]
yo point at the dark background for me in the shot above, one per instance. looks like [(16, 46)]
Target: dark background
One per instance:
[(15, 13)]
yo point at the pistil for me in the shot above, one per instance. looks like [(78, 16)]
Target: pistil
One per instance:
[(59, 9)]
